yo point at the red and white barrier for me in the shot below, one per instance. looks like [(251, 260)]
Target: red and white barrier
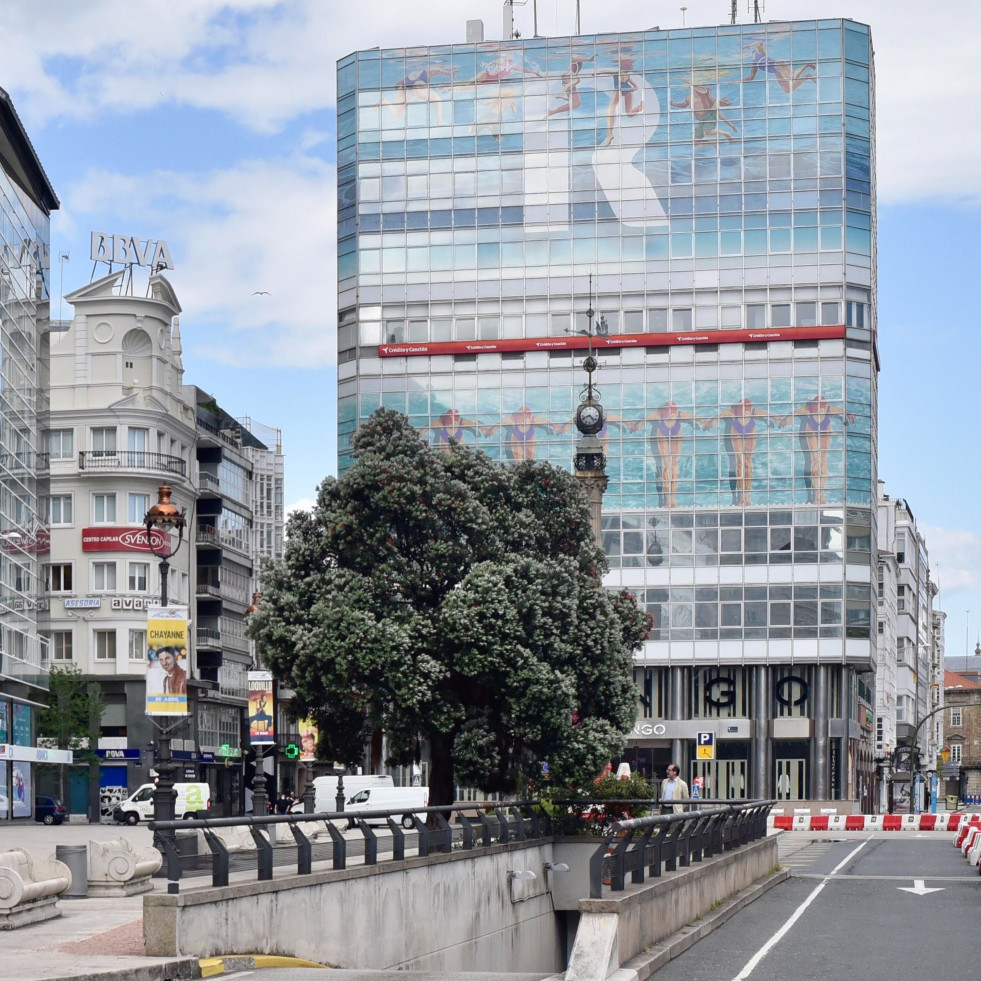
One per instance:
[(946, 821), (972, 821)]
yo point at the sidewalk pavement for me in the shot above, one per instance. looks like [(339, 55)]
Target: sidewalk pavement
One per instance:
[(93, 938)]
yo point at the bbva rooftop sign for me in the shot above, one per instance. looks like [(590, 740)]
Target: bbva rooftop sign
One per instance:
[(130, 251)]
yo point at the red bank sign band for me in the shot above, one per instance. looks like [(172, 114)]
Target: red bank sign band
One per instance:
[(578, 343), (103, 539)]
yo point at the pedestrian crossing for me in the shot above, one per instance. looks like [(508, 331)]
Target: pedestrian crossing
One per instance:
[(801, 860)]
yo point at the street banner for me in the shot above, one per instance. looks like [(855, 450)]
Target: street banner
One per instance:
[(308, 739), (262, 714), (167, 660)]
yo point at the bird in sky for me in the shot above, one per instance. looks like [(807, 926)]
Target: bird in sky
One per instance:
[(260, 293)]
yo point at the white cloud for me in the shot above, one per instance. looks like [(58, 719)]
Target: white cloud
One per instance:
[(304, 504), (257, 227), (264, 63), (955, 559)]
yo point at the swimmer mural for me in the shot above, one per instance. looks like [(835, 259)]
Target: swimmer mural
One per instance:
[(743, 453), (470, 172)]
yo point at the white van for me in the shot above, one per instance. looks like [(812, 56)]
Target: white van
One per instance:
[(193, 800), (325, 790), (388, 799)]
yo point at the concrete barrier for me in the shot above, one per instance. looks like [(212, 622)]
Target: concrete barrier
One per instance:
[(616, 929), (441, 912), (462, 911), (29, 888), (116, 868)]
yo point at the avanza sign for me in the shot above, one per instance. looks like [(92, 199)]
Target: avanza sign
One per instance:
[(103, 539), (130, 251)]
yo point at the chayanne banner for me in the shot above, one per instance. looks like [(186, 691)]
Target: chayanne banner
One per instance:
[(166, 660)]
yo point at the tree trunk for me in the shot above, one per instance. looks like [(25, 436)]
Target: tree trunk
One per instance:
[(441, 787)]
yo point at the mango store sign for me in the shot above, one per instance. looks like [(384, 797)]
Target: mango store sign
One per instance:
[(130, 251)]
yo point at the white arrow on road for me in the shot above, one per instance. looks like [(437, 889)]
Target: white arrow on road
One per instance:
[(918, 888)]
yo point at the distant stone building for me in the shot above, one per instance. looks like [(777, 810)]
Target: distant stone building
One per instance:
[(962, 726)]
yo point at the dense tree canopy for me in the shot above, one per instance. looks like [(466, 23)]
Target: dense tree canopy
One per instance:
[(442, 595)]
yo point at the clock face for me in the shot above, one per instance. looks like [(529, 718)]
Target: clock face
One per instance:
[(589, 418)]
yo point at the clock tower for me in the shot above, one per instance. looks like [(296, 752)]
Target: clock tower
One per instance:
[(590, 419)]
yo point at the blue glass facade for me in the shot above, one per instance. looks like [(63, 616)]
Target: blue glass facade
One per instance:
[(26, 200), (714, 189)]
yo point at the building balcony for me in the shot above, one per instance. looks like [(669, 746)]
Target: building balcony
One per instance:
[(207, 589), (208, 638), (137, 460), (25, 463), (208, 484), (206, 535)]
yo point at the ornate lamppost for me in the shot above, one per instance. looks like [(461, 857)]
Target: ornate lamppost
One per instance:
[(160, 521), (260, 799), (590, 458)]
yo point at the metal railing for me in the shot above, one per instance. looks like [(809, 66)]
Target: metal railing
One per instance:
[(639, 847), (131, 460), (481, 824), (665, 841)]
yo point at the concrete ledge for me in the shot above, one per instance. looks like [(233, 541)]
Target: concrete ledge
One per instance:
[(24, 914), (653, 959), (134, 887), (180, 969), (616, 929)]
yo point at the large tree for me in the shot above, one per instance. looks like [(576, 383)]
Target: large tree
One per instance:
[(442, 595), (71, 718)]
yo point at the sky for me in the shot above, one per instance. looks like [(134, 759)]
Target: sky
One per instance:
[(210, 125)]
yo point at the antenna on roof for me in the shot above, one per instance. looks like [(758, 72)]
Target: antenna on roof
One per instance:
[(63, 257), (755, 7), (732, 12), (510, 33)]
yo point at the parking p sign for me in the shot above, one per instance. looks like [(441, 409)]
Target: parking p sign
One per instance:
[(705, 746)]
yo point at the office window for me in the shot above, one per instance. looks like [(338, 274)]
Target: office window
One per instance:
[(60, 645), (137, 645), (103, 442), (681, 321), (756, 316), (956, 753), (58, 509), (780, 314), (104, 577), (139, 574), (61, 444), (955, 717), (103, 508), (137, 507), (105, 645), (58, 577)]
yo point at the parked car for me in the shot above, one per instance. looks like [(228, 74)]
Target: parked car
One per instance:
[(50, 810)]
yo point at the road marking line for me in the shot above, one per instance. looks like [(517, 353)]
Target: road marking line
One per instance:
[(795, 916)]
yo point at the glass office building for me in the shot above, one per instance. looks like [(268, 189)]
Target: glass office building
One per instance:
[(710, 193), (26, 203)]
